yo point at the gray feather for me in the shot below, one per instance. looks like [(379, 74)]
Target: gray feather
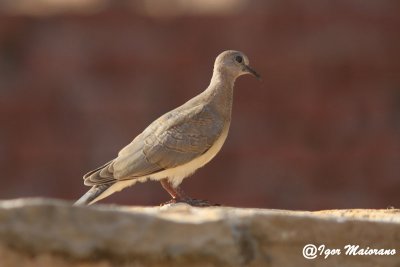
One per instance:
[(90, 195), (172, 140)]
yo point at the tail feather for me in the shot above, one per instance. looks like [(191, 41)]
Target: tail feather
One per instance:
[(92, 194)]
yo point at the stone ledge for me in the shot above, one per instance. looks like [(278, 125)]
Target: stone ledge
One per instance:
[(45, 232)]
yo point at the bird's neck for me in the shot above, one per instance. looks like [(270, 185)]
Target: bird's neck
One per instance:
[(221, 76), (220, 92)]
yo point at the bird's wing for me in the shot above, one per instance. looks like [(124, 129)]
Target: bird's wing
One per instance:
[(172, 140)]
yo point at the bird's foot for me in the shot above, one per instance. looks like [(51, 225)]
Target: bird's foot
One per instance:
[(191, 201)]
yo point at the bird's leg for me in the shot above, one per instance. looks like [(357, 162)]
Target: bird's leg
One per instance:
[(178, 195)]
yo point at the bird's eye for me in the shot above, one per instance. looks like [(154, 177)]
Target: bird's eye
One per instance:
[(239, 59)]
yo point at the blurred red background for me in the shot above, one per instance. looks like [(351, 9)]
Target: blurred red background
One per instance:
[(80, 79)]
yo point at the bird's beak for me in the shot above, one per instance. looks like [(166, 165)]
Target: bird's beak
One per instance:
[(252, 72)]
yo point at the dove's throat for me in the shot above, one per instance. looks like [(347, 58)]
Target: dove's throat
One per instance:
[(220, 93)]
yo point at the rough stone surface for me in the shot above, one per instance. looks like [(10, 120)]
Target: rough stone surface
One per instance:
[(40, 232)]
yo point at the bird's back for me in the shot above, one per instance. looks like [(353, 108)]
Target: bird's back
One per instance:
[(174, 139)]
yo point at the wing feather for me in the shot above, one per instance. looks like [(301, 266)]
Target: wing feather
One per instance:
[(174, 139)]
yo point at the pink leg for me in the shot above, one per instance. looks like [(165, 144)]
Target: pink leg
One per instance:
[(178, 195)]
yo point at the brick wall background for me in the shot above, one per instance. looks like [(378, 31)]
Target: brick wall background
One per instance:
[(321, 131)]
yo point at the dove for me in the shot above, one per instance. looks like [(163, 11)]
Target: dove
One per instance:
[(178, 143)]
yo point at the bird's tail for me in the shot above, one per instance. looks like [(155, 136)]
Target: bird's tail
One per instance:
[(89, 197)]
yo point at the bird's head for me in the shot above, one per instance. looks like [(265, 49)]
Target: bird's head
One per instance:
[(234, 63)]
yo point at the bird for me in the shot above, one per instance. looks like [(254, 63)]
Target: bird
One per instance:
[(176, 144)]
